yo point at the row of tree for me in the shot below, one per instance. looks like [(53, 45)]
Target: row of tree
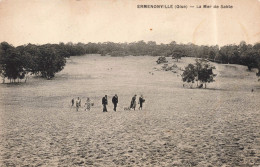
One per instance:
[(48, 59), (243, 54)]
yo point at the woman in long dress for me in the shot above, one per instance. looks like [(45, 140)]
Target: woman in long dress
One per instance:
[(133, 102)]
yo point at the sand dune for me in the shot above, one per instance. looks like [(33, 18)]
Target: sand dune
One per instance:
[(218, 126)]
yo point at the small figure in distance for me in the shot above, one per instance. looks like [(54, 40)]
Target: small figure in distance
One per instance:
[(141, 101), (87, 104), (133, 102), (115, 101), (104, 103), (252, 90), (78, 101), (72, 102)]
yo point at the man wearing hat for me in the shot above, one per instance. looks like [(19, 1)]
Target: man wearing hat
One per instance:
[(104, 103), (141, 101), (115, 101)]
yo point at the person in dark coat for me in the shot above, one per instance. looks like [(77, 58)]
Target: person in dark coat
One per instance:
[(133, 102), (115, 101), (104, 103), (141, 101), (72, 102)]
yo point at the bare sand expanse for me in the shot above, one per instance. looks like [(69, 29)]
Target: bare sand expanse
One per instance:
[(218, 126)]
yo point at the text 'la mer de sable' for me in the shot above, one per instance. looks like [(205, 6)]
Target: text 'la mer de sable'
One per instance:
[(214, 6)]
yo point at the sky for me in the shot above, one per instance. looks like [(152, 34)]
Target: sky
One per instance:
[(54, 21)]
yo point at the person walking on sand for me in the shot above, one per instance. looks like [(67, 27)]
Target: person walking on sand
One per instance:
[(115, 101), (104, 103), (87, 104), (78, 101), (141, 101), (72, 102), (133, 102)]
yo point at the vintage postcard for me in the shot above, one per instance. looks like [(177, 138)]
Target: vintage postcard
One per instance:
[(130, 83)]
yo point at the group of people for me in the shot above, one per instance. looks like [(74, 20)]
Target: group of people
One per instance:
[(140, 102), (88, 103), (115, 102), (77, 103)]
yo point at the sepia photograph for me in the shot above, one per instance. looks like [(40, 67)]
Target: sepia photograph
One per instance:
[(132, 83)]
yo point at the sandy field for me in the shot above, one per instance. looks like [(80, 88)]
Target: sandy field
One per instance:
[(218, 126)]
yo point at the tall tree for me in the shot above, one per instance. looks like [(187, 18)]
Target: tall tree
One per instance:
[(205, 72), (50, 61), (200, 71), (189, 74), (11, 62)]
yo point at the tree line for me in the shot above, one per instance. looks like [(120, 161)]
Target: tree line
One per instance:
[(48, 59), (243, 54)]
